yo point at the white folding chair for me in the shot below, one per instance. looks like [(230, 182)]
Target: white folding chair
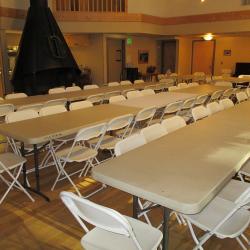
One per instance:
[(168, 82), (248, 92), (171, 109), (56, 91), (134, 94), (213, 107), (138, 81), (223, 219), (80, 105), (110, 94), (244, 171), (111, 227), (224, 84), (6, 109), (52, 110), (153, 132), (193, 84), (216, 96), (147, 92), (241, 97), (90, 86), (79, 152), (173, 88), (186, 107), (36, 107), (126, 83), (73, 89), (118, 98), (228, 93), (96, 99), (199, 113), (226, 103), (11, 166), (143, 119), (201, 100), (182, 85), (61, 101), (124, 92), (173, 123), (113, 84), (160, 87), (150, 87), (15, 96), (160, 77)]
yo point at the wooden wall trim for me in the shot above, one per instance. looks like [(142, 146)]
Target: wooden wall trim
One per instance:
[(131, 17)]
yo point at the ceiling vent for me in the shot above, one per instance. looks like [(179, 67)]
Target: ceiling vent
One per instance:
[(245, 2)]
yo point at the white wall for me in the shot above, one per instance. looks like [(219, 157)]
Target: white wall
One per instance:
[(170, 8)]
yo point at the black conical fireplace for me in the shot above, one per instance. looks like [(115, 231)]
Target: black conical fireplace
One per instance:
[(44, 59)]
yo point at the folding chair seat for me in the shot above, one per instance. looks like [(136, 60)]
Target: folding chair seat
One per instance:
[(241, 97), (118, 98), (226, 103), (173, 123), (223, 219), (15, 96), (123, 83), (62, 101), (173, 88), (182, 85), (149, 87), (56, 91), (153, 132), (111, 227), (73, 89), (96, 99), (147, 92), (11, 166), (79, 152), (80, 105), (214, 107), (90, 86), (36, 107), (113, 84), (216, 96), (199, 113), (134, 94), (52, 110)]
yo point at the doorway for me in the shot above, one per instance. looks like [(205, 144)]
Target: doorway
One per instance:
[(115, 59), (203, 56), (168, 55)]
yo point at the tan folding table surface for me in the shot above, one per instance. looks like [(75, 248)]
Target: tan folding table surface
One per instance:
[(184, 170), (44, 129)]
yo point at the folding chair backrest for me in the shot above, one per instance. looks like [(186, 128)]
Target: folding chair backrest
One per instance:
[(200, 100), (21, 116), (226, 103), (97, 215), (6, 109), (173, 123), (188, 104), (95, 99), (182, 85), (138, 81), (241, 96), (56, 90), (145, 114), (117, 98), (214, 107), (113, 84), (126, 82), (62, 101), (129, 143), (15, 96), (147, 92), (52, 110), (153, 132), (160, 87), (160, 77), (92, 132), (193, 84), (91, 86), (248, 92), (124, 92), (134, 94), (35, 107), (224, 84), (112, 93), (168, 81), (80, 105), (228, 92), (216, 95), (73, 89), (149, 87), (173, 107), (172, 88), (199, 112), (120, 122)]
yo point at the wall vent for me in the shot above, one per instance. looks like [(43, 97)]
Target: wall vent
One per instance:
[(245, 2)]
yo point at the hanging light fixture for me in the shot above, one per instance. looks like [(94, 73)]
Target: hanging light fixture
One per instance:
[(208, 37)]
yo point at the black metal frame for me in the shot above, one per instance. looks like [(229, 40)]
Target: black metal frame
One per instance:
[(37, 189), (165, 225)]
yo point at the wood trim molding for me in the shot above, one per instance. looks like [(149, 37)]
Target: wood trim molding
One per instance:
[(131, 17)]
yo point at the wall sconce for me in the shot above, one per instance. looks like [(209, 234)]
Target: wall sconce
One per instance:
[(208, 37)]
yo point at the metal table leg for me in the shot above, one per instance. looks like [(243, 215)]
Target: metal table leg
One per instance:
[(165, 228)]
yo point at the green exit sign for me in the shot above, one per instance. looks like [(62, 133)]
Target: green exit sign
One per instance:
[(129, 41)]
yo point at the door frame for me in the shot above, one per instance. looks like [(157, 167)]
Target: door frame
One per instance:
[(214, 48)]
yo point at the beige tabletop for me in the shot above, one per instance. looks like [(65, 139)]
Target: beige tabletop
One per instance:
[(72, 96), (42, 129), (158, 100), (236, 79), (201, 89), (184, 170)]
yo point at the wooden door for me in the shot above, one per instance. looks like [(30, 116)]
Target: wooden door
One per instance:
[(1, 76), (203, 57), (168, 56)]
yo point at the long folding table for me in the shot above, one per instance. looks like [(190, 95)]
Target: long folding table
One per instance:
[(183, 171), (44, 129)]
